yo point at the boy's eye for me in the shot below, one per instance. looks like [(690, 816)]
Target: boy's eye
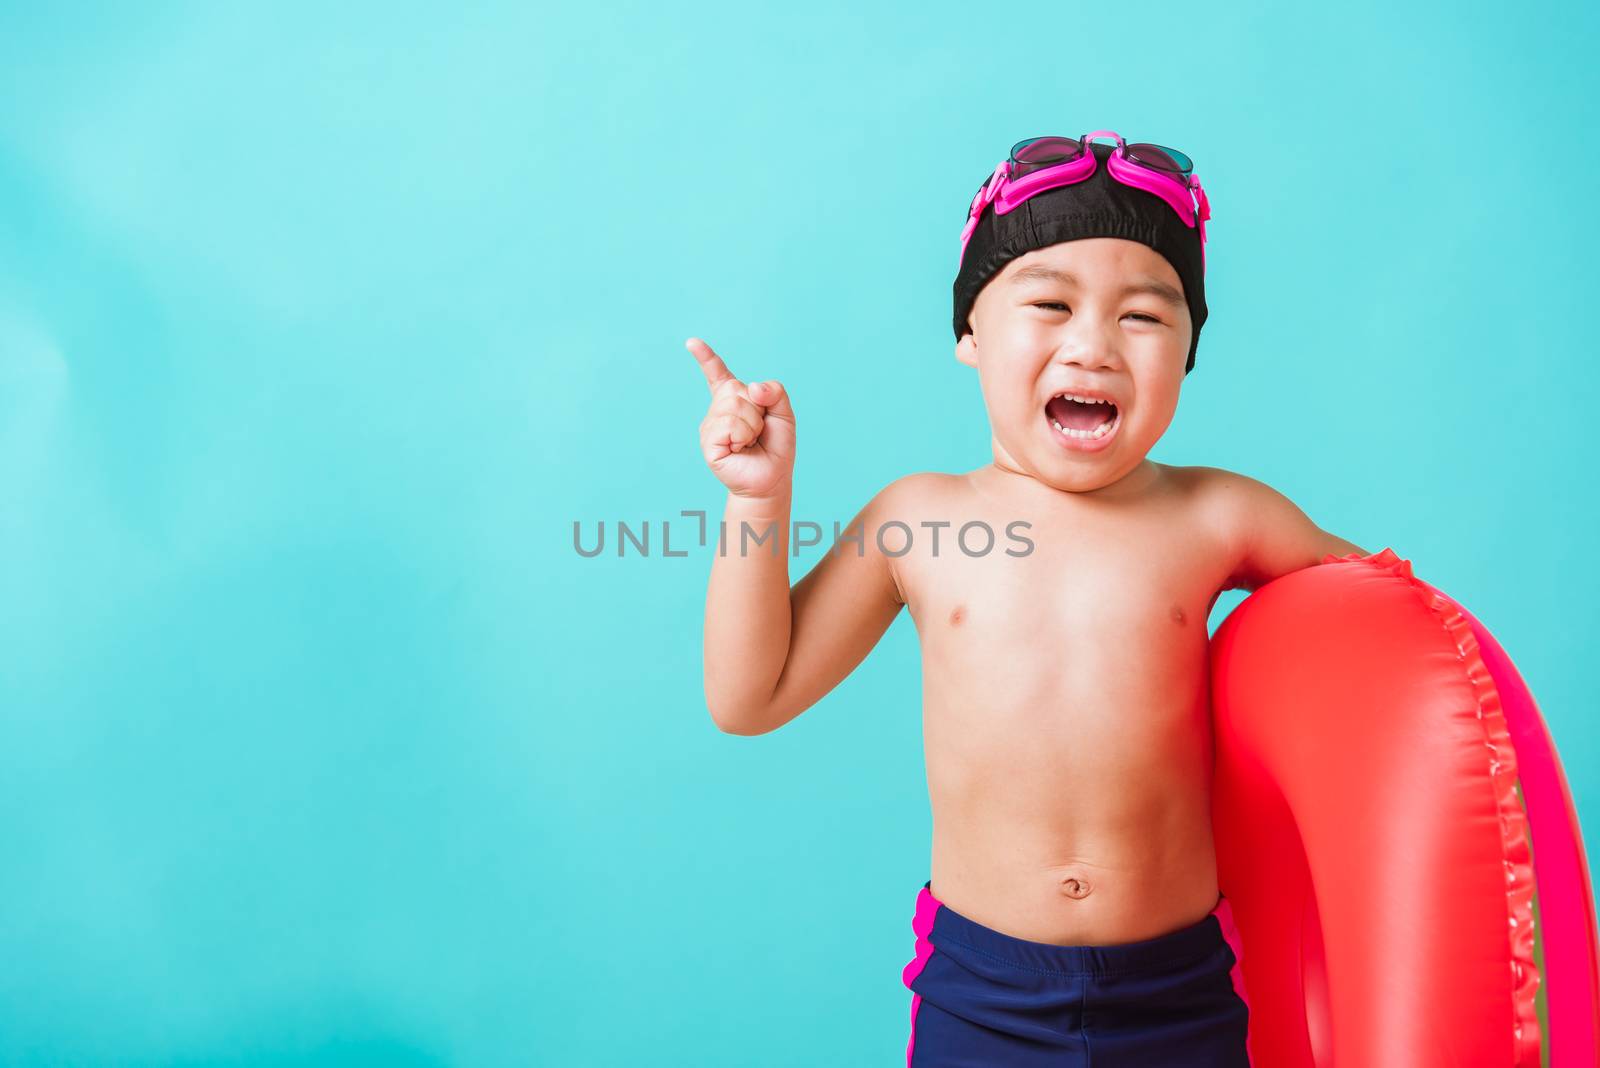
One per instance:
[(1063, 307)]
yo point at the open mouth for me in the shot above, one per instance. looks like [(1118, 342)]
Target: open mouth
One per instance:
[(1083, 417)]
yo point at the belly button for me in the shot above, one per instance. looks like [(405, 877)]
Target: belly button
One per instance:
[(1075, 888)]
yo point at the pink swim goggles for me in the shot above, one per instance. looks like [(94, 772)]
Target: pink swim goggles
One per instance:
[(1041, 163)]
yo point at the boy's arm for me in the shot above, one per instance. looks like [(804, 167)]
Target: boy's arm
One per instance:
[(772, 652), (1268, 535)]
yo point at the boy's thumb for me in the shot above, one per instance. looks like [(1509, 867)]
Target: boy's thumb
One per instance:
[(772, 396)]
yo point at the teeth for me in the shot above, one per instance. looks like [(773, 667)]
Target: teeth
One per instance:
[(1098, 432), (1083, 400)]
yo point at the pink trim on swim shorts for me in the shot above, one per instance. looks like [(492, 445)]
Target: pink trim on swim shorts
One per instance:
[(922, 924), (1230, 934)]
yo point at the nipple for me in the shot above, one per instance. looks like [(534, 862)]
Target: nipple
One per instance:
[(1075, 888)]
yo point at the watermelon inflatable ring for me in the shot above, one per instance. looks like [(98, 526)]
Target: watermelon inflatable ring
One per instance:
[(1404, 878)]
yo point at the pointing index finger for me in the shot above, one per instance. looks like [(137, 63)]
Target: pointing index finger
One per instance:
[(715, 370)]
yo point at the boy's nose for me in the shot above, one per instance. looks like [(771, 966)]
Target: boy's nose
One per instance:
[(1091, 353), (1087, 343)]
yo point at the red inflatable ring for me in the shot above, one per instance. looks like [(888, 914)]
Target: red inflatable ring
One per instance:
[(1403, 872)]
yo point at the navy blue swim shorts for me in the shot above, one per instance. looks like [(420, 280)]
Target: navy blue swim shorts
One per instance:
[(985, 999)]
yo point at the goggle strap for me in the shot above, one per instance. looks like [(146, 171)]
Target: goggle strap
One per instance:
[(990, 190)]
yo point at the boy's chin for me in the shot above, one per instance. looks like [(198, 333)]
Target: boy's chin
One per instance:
[(1073, 473)]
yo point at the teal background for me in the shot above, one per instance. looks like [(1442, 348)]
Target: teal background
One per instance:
[(320, 328)]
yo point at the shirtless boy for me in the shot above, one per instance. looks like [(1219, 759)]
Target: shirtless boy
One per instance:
[(1070, 913)]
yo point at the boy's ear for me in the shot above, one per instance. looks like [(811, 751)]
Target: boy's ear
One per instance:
[(967, 350)]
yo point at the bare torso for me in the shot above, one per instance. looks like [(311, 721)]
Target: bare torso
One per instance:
[(1066, 719)]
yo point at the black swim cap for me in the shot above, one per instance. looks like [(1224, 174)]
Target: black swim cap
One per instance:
[(1098, 206)]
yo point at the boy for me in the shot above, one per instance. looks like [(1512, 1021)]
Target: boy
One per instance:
[(1066, 722)]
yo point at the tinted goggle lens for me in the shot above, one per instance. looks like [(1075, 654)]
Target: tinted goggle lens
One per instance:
[(1162, 159), (1036, 152)]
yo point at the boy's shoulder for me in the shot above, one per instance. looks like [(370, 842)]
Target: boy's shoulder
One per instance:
[(919, 496), (1206, 476), (1265, 530), (1225, 500), (1220, 482), (1231, 490), (923, 488), (1221, 501)]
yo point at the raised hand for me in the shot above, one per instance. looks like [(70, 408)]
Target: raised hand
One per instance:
[(747, 436)]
